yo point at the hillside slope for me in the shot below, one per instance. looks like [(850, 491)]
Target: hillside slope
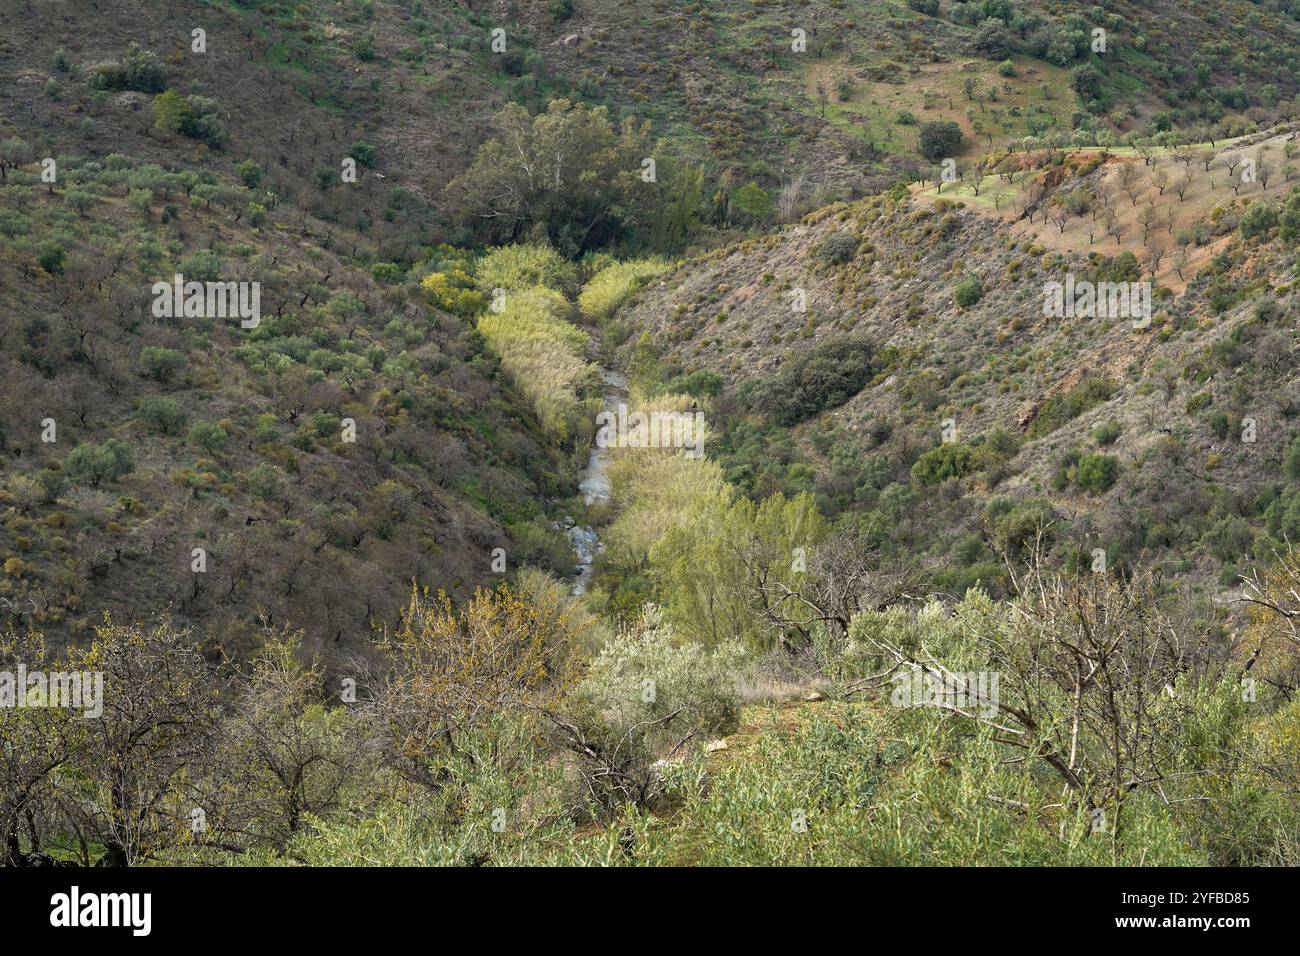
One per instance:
[(977, 411)]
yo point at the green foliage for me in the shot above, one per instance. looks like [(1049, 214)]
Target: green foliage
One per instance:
[(1290, 219), (939, 139), (139, 71), (208, 436), (752, 203), (162, 414), (195, 116), (968, 292), (1229, 539), (266, 481), (1291, 462), (813, 381), (363, 153), (98, 463), (1107, 433), (1096, 472), (643, 675), (51, 257), (596, 173), (160, 364), (838, 248), (994, 40), (1258, 220), (521, 267), (699, 384), (1059, 409), (949, 460), (610, 287), (250, 173)]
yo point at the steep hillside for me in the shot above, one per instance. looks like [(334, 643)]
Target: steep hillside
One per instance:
[(354, 441), (971, 410)]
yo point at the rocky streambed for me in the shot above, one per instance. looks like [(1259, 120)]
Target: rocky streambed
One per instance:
[(594, 485)]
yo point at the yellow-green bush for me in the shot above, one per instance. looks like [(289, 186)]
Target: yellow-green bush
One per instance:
[(543, 355), (523, 267), (610, 287)]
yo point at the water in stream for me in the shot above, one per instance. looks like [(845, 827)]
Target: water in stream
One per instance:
[(594, 484)]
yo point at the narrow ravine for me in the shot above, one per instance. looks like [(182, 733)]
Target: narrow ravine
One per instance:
[(594, 484)]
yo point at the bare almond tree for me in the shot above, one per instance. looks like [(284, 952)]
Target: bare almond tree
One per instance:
[(1091, 685)]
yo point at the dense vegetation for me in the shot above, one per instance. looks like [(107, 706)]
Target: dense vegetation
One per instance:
[(325, 558)]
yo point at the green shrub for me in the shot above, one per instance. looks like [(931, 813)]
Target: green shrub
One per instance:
[(265, 481), (139, 71), (610, 287), (159, 363), (209, 436), (752, 203), (1107, 433), (811, 382), (968, 292), (162, 414), (521, 267), (51, 257), (939, 139), (838, 248), (1291, 463), (1259, 218), (1059, 409), (950, 460), (1096, 472), (643, 675), (700, 384), (1229, 539), (96, 464)]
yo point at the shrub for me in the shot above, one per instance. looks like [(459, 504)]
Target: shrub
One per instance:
[(1260, 217), (968, 292), (363, 153), (96, 464), (159, 363), (1059, 409), (209, 436), (1096, 472), (950, 460), (250, 173), (1291, 463), (993, 40), (838, 248), (752, 202), (1107, 433), (163, 414), (198, 117), (643, 675), (386, 272), (1290, 219), (265, 481), (1229, 539), (939, 138), (139, 71), (520, 267), (699, 384), (51, 257), (811, 382), (611, 286)]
